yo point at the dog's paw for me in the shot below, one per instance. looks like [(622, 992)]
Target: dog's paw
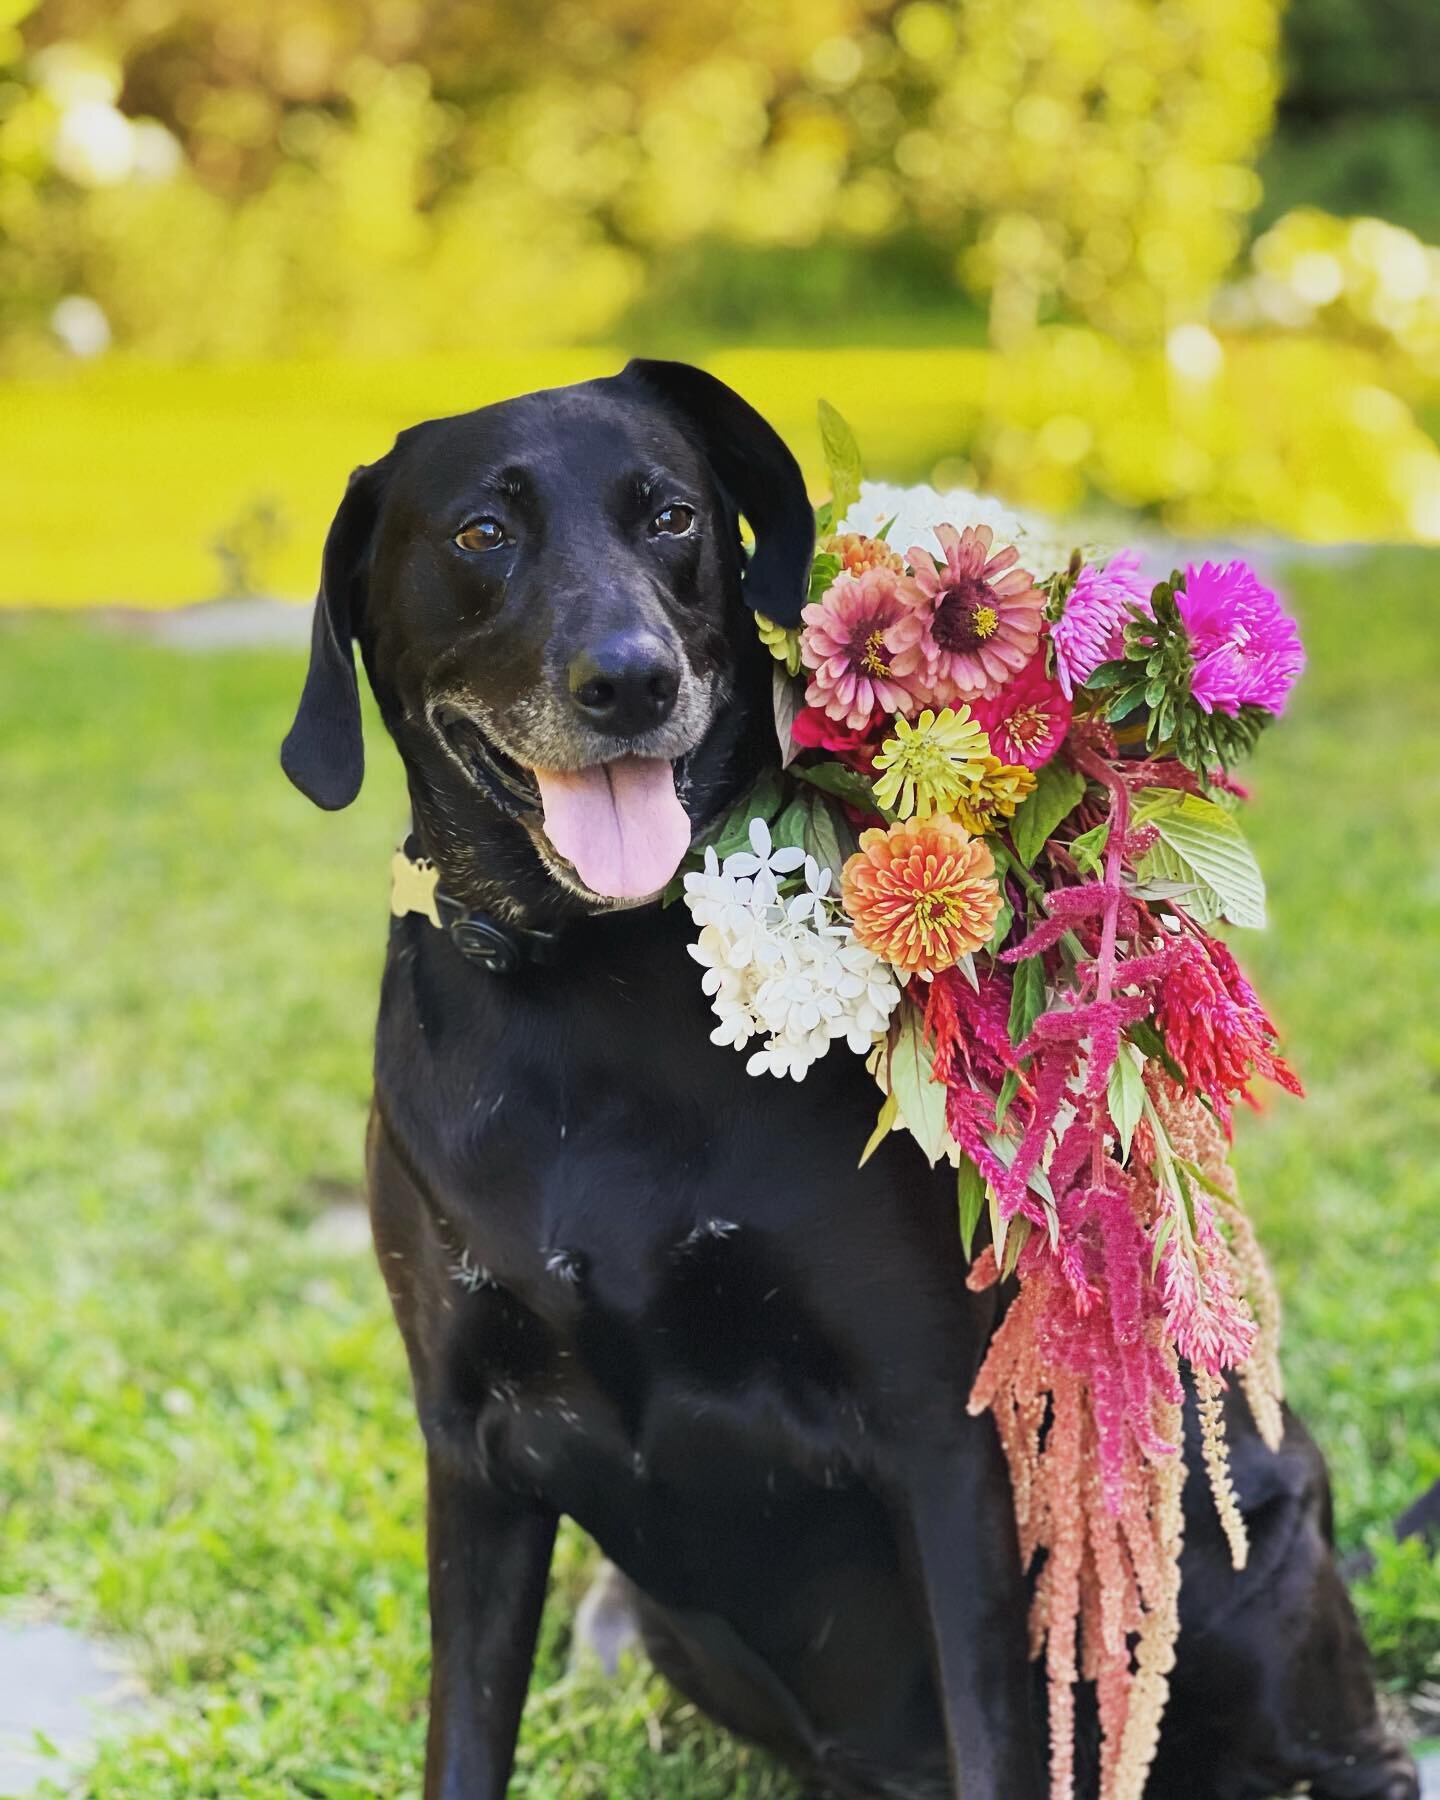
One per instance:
[(1391, 1775)]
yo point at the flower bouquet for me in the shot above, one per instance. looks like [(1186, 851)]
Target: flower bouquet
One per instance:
[(993, 863)]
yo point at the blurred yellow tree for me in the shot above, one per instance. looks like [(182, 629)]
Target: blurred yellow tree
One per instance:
[(197, 178)]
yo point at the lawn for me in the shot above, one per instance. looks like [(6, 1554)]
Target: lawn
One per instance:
[(206, 1440), (150, 484)]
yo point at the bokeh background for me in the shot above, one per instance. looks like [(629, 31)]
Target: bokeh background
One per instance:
[(1174, 255), (1168, 264)]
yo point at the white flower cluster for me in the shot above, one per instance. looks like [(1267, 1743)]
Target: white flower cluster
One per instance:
[(787, 968), (1043, 544)]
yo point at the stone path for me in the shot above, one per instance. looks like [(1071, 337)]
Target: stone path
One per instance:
[(55, 1682)]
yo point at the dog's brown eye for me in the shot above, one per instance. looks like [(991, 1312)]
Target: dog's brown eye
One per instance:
[(481, 534), (674, 521)]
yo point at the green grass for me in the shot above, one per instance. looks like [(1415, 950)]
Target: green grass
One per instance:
[(153, 484), (206, 1439)]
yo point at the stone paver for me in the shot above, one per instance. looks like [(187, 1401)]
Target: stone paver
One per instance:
[(56, 1682), (257, 624)]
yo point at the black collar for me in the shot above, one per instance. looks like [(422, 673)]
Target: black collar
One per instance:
[(479, 936)]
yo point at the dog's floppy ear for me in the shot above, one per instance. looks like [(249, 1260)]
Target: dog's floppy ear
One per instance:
[(757, 471), (324, 753)]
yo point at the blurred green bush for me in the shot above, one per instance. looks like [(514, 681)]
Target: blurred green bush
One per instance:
[(396, 175), (368, 211)]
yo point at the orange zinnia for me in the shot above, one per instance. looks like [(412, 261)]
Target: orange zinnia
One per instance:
[(922, 894)]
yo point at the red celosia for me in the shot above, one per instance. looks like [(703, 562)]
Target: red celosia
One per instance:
[(971, 1024), (1214, 1025)]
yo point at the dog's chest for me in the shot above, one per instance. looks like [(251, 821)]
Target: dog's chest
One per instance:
[(672, 1419), (666, 1290)]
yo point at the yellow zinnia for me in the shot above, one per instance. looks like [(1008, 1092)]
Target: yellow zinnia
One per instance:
[(927, 767), (994, 793)]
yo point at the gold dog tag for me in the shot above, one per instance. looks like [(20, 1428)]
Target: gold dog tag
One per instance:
[(412, 887)]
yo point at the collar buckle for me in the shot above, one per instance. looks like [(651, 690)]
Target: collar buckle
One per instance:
[(482, 940)]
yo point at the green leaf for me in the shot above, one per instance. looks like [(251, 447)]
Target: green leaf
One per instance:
[(1151, 802), (1148, 1041), (842, 456), (1004, 919), (1058, 791), (824, 518), (1126, 1098), (823, 571), (971, 1192), (1089, 848), (1162, 1238), (1006, 864), (884, 1125), (827, 837), (844, 784), (1037, 1181), (1201, 1179), (1009, 1088), (1213, 848), (732, 832), (788, 831), (1016, 1240), (1027, 998), (1160, 869), (999, 1228), (1108, 675), (919, 1096), (787, 697)]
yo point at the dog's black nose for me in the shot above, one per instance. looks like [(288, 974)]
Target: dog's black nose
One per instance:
[(626, 684)]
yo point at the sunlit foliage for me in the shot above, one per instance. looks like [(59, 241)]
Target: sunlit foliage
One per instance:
[(291, 174)]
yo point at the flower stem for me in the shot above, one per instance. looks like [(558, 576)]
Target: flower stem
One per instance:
[(1093, 765), (1090, 764)]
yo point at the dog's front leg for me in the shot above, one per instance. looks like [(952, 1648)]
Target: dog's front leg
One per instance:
[(957, 1527), (489, 1557)]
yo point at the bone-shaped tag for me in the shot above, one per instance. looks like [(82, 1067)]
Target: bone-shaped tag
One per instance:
[(412, 887)]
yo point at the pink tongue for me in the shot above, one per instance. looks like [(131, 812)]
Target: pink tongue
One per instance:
[(620, 823)]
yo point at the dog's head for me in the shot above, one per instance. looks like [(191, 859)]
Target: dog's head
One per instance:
[(553, 607)]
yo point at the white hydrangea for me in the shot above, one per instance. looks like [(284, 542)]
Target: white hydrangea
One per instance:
[(783, 967), (1044, 544)]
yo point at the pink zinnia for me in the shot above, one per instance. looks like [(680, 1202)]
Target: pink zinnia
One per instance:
[(1246, 646), (1091, 630), (973, 622), (1027, 720), (844, 643)]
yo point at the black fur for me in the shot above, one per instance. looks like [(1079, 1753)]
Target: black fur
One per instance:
[(638, 1286)]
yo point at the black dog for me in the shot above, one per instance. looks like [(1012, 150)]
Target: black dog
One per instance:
[(640, 1287)]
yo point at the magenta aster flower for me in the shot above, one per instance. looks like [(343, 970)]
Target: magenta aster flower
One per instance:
[(843, 642), (1027, 719), (1091, 630), (1245, 645), (973, 621)]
